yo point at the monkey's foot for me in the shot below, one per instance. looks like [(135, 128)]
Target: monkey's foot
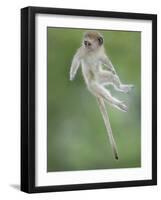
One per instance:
[(122, 106), (127, 88)]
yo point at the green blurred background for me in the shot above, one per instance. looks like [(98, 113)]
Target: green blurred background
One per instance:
[(77, 138)]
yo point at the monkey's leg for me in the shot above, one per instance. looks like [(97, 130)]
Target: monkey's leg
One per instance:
[(104, 113), (99, 90), (107, 77)]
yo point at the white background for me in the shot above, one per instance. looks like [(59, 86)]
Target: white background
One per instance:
[(10, 100)]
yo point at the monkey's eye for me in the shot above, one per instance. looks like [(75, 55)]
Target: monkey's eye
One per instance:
[(100, 40), (86, 43)]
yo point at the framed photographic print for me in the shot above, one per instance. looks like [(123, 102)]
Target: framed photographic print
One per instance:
[(88, 99)]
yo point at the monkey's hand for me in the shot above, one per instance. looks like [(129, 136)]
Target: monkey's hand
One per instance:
[(71, 78), (73, 70), (110, 69)]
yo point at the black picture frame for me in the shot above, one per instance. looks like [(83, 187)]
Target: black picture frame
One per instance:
[(28, 98)]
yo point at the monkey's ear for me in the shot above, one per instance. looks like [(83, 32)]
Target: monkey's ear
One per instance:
[(100, 40)]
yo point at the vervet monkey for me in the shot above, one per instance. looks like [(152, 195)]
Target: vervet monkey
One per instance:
[(99, 72)]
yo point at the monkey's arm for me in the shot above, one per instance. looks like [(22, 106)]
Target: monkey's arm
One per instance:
[(75, 65), (108, 64)]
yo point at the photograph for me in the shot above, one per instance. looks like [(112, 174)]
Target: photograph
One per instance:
[(93, 97)]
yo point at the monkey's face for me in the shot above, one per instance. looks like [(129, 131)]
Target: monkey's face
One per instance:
[(92, 41)]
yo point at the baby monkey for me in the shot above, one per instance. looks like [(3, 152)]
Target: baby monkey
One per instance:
[(99, 72)]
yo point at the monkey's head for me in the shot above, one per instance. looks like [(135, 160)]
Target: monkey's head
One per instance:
[(92, 40)]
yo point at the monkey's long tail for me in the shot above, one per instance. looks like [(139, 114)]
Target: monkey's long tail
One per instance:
[(104, 113)]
